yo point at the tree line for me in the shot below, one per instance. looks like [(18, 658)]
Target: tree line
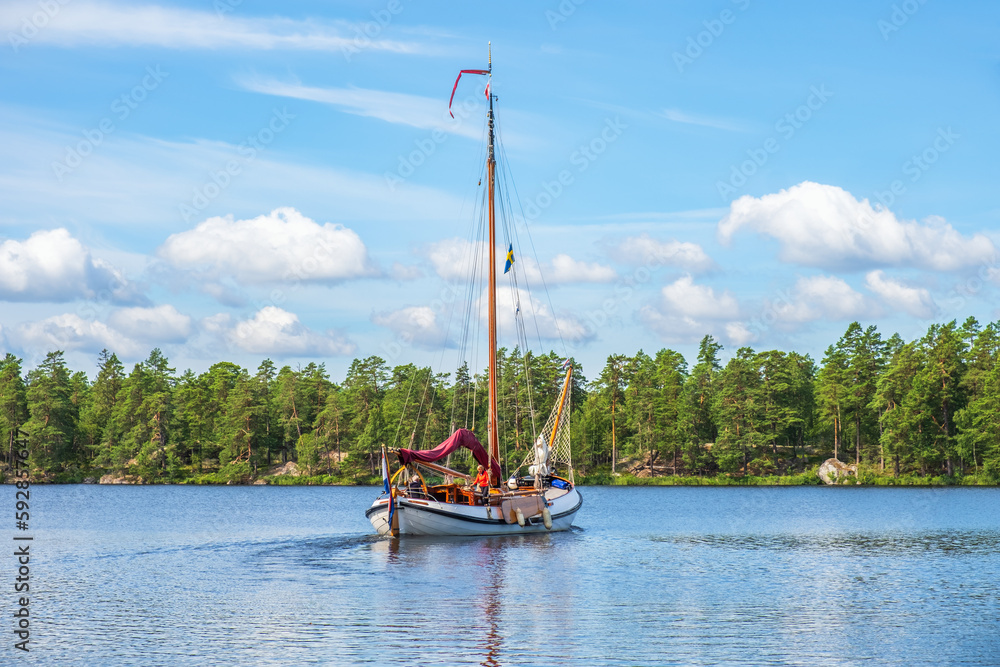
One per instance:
[(926, 407)]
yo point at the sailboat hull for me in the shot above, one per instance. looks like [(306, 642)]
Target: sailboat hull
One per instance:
[(431, 517)]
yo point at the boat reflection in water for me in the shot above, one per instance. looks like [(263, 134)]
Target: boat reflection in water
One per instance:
[(492, 600)]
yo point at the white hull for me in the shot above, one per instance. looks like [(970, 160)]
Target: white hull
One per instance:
[(431, 517)]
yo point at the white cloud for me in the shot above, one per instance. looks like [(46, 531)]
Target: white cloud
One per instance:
[(823, 225), (565, 269), (646, 250), (678, 116), (810, 299), (51, 265), (739, 334), (687, 311), (819, 297), (105, 24), (72, 332), (159, 324), (282, 246), (425, 113), (684, 297), (405, 273), (415, 325), (453, 259), (273, 331), (538, 317), (916, 301)]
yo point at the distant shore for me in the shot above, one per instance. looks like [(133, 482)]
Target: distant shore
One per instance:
[(808, 478)]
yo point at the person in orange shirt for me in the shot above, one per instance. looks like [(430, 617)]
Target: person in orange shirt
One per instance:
[(482, 481)]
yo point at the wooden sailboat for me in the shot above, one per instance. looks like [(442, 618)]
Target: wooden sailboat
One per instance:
[(540, 501)]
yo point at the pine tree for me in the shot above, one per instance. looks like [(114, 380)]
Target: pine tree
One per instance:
[(697, 419), (611, 383), (53, 417), (13, 402)]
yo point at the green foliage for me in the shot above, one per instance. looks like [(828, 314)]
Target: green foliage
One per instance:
[(920, 412)]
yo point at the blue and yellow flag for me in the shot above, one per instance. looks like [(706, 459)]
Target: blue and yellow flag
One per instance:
[(510, 258)]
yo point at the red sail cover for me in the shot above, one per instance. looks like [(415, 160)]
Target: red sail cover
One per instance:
[(463, 437)]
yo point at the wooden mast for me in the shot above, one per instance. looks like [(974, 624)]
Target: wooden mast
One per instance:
[(492, 434)]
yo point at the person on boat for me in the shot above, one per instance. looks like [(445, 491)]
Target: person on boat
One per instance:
[(415, 486), (482, 482)]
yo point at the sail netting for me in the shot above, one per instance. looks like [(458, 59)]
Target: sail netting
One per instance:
[(552, 455)]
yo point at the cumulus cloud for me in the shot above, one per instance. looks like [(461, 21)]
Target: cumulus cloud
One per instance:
[(273, 331), (160, 324), (416, 325), (680, 254), (404, 273), (51, 265), (819, 297), (683, 296), (916, 301), (565, 269), (825, 226), (455, 259), (812, 298), (282, 246), (687, 311), (72, 332), (537, 316)]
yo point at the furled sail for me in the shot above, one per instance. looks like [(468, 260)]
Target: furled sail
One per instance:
[(463, 437)]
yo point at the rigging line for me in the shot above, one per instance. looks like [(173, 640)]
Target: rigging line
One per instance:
[(430, 407), (479, 262), (463, 346), (402, 414), (423, 397), (473, 236), (522, 336), (531, 241), (511, 232), (509, 178)]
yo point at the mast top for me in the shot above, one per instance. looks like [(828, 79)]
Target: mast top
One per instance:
[(489, 45)]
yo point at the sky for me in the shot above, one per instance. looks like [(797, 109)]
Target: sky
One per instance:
[(235, 180)]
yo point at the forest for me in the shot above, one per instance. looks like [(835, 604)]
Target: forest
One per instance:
[(926, 410)]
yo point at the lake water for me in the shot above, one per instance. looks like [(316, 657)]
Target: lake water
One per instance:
[(125, 575)]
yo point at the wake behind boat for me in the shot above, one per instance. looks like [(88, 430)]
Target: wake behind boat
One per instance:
[(423, 497)]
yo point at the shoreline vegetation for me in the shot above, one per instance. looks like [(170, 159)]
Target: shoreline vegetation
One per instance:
[(919, 413)]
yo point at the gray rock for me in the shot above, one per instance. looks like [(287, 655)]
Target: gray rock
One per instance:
[(832, 470)]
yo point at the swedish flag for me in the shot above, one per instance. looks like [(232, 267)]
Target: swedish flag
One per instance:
[(510, 258)]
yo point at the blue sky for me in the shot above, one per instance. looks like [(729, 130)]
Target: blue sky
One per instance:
[(234, 180)]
